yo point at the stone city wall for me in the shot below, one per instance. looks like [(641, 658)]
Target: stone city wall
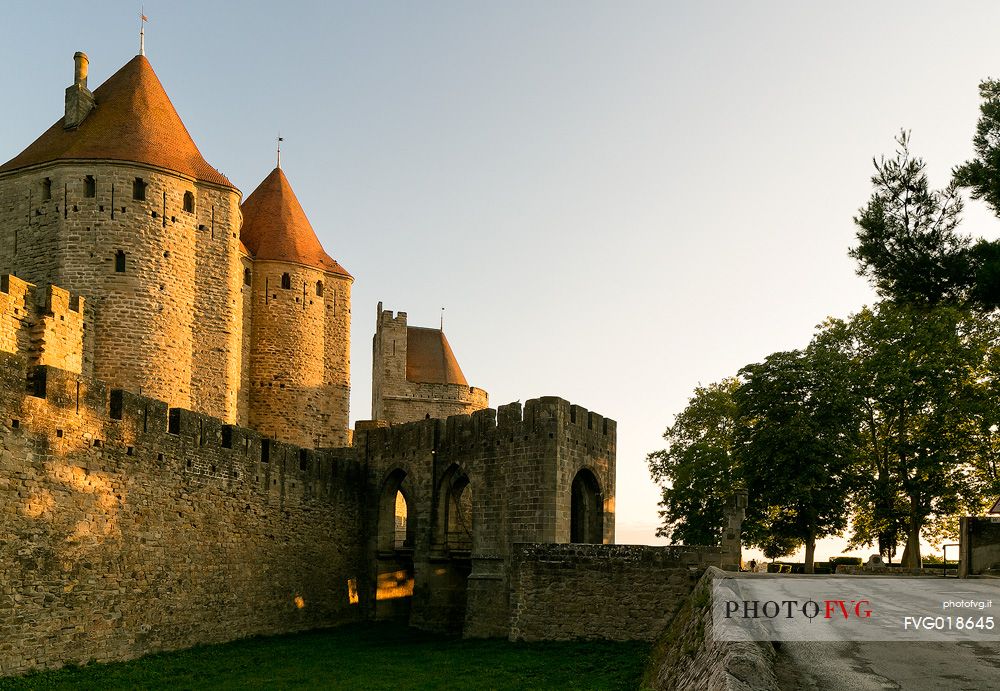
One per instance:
[(127, 528)]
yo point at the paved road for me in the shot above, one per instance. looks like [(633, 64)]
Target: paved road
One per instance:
[(874, 666), (843, 663)]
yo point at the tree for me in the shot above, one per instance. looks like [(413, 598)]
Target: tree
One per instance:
[(775, 546), (922, 375), (981, 175), (697, 470), (796, 439), (907, 244)]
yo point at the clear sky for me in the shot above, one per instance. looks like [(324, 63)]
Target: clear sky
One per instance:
[(614, 201)]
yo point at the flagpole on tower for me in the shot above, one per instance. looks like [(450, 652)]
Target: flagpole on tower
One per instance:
[(142, 30), (280, 139)]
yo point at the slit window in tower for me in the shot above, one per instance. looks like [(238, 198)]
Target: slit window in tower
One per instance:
[(319, 288), (46, 189), (89, 186), (189, 202), (246, 277), (139, 189), (120, 262), (286, 281)]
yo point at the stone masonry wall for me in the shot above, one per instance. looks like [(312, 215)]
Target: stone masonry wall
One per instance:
[(688, 657), (337, 360), (14, 316), (181, 268), (407, 401), (299, 355), (610, 592), (127, 529)]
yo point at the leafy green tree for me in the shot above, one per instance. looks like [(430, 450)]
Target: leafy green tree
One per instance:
[(796, 439), (923, 376), (697, 469), (775, 546), (907, 244)]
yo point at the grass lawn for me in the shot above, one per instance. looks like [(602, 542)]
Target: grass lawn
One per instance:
[(364, 656)]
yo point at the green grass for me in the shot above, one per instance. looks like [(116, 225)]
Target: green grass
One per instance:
[(363, 656)]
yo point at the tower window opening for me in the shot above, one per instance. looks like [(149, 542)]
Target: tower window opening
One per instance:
[(247, 276), (189, 202), (319, 288), (89, 186), (139, 189), (120, 262), (46, 189), (286, 281)]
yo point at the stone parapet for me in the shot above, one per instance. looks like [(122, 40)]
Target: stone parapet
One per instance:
[(611, 592)]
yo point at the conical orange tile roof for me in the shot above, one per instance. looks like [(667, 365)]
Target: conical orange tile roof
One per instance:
[(133, 120), (430, 359), (276, 228)]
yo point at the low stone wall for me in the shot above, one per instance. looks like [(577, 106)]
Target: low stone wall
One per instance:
[(851, 570), (611, 592), (686, 656)]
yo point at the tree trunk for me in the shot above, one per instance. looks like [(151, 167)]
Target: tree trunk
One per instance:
[(911, 555), (811, 554)]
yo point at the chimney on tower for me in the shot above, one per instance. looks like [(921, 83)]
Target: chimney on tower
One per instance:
[(79, 100)]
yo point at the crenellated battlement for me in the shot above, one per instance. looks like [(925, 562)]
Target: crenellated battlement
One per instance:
[(46, 324), (69, 414), (539, 418)]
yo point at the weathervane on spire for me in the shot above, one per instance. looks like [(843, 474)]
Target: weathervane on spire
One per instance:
[(442, 319), (142, 30), (280, 139)]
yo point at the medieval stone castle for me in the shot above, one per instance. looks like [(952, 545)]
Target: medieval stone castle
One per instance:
[(233, 310), (176, 461)]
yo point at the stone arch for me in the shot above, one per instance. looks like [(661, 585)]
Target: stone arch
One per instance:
[(586, 508), (394, 500), (453, 511)]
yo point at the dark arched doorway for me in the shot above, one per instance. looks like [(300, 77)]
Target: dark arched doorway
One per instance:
[(451, 554), (586, 509), (395, 530)]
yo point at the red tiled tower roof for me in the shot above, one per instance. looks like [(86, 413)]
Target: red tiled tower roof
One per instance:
[(430, 359), (133, 120), (275, 227)]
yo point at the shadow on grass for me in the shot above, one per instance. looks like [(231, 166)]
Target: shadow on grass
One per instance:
[(364, 656)]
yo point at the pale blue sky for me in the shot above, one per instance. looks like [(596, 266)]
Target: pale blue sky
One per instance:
[(614, 201)]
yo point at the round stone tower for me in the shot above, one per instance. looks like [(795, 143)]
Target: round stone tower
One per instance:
[(116, 203), (300, 366)]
